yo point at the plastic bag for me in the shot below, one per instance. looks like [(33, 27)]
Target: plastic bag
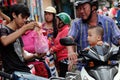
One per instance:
[(41, 43)]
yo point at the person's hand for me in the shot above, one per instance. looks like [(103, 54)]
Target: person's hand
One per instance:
[(51, 51), (100, 43), (31, 25), (38, 28), (72, 57), (39, 55), (86, 49), (70, 66)]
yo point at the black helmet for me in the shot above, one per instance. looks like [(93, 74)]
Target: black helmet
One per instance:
[(91, 2)]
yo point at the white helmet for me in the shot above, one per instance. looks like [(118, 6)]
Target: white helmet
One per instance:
[(50, 9)]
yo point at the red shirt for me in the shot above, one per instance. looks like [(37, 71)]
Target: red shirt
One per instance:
[(61, 51)]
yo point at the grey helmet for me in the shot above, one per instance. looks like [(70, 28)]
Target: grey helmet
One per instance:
[(91, 2)]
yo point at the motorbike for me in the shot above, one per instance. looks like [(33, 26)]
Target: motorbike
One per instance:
[(101, 62), (20, 76)]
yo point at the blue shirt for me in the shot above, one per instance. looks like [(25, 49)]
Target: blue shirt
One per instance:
[(79, 31)]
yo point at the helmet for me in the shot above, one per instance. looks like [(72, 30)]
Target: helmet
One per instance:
[(91, 2), (116, 4), (50, 9), (64, 17)]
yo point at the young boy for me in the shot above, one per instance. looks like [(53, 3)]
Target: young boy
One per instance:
[(95, 35), (11, 45)]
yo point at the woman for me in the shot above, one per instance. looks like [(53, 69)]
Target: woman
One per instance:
[(63, 24)]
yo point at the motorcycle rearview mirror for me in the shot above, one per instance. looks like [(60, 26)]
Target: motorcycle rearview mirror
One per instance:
[(67, 41)]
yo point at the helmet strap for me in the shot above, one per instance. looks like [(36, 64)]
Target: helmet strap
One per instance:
[(60, 25)]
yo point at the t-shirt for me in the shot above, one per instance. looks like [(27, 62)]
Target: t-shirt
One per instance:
[(12, 54)]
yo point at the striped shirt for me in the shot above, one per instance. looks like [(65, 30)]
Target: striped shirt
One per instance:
[(79, 32)]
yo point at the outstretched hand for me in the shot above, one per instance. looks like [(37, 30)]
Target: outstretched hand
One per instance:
[(72, 57), (39, 55)]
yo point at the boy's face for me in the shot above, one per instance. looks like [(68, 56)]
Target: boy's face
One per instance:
[(19, 20), (93, 37)]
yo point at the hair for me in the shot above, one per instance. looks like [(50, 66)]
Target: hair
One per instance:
[(55, 30), (19, 9), (99, 30)]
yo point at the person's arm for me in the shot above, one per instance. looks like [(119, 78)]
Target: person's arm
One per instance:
[(115, 34), (31, 56), (72, 55), (4, 17), (73, 32), (6, 40)]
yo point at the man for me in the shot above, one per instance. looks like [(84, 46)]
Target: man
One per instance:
[(11, 45), (89, 17)]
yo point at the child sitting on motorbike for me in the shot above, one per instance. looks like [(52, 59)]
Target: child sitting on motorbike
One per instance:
[(95, 36)]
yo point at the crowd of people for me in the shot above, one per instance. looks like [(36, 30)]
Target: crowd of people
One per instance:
[(21, 47), (111, 12)]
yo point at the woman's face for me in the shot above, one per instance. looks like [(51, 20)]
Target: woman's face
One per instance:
[(48, 17)]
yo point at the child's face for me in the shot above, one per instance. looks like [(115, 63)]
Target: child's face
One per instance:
[(93, 38)]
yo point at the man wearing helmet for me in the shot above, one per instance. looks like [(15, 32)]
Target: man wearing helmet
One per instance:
[(90, 17), (63, 23)]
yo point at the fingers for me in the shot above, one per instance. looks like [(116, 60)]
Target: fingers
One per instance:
[(70, 67), (40, 55), (31, 25), (100, 43), (72, 57)]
